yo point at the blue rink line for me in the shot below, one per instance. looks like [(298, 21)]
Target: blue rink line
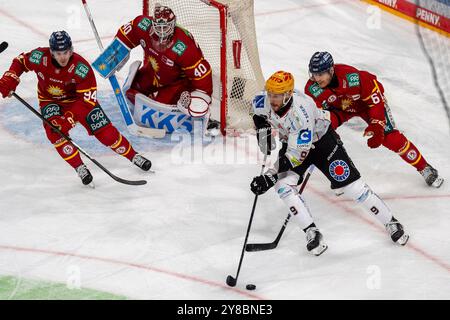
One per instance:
[(20, 122)]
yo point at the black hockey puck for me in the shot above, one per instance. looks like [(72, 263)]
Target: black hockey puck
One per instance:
[(250, 287)]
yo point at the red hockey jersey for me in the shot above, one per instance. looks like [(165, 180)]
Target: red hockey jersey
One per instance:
[(74, 82), (182, 57), (356, 91)]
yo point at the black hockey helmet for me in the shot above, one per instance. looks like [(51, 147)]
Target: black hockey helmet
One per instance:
[(60, 41)]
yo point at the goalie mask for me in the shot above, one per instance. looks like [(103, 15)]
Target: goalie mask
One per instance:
[(163, 25)]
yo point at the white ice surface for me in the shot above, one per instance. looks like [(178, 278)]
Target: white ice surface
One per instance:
[(180, 236)]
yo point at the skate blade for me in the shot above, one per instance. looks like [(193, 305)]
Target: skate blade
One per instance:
[(403, 239), (321, 248), (91, 185)]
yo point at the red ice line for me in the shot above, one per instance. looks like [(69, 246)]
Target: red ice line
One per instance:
[(354, 212), (24, 24), (135, 265)]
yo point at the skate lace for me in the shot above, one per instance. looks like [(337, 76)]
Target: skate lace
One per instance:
[(82, 171), (138, 160), (392, 227), (429, 174), (311, 234)]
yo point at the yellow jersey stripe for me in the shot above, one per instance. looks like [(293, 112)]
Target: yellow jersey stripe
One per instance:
[(194, 65), (115, 145), (209, 72), (73, 155)]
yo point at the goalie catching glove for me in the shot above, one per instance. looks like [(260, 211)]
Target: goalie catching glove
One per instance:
[(194, 104)]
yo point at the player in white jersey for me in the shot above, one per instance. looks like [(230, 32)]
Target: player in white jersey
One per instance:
[(308, 139)]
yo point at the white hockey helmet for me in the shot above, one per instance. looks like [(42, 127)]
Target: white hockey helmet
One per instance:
[(164, 21)]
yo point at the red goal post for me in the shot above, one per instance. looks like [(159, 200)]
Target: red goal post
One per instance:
[(225, 31)]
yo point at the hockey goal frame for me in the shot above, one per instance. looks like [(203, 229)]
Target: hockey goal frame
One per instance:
[(223, 11)]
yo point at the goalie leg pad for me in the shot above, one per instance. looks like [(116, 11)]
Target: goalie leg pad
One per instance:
[(154, 114), (286, 187), (372, 203), (130, 94)]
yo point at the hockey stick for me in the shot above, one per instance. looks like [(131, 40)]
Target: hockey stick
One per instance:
[(272, 245), (129, 182), (126, 114), (230, 280), (3, 46)]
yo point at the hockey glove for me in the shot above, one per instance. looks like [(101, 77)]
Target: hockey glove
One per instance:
[(8, 83), (263, 183), (195, 104), (265, 140), (264, 134), (375, 131)]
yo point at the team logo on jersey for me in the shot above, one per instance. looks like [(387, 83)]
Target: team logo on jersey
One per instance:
[(143, 44), (258, 102), (167, 61), (304, 137), (315, 90), (325, 105), (346, 103), (41, 75), (179, 47), (36, 57), (412, 155), (353, 79), (154, 64), (55, 91), (68, 149), (332, 98), (145, 24), (339, 170), (81, 70), (121, 150)]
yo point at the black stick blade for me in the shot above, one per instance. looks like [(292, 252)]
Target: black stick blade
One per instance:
[(3, 46), (231, 281), (251, 247)]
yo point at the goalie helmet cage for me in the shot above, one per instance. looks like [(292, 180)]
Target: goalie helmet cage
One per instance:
[(225, 32)]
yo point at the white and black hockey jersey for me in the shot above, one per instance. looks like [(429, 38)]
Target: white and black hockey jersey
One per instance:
[(300, 127)]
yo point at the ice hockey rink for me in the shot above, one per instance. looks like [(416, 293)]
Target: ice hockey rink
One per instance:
[(179, 236)]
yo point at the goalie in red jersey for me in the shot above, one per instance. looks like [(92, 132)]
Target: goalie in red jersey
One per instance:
[(175, 73), (67, 93), (348, 92)]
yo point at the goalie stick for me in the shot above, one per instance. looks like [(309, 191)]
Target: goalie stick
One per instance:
[(129, 182), (129, 121), (272, 245)]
